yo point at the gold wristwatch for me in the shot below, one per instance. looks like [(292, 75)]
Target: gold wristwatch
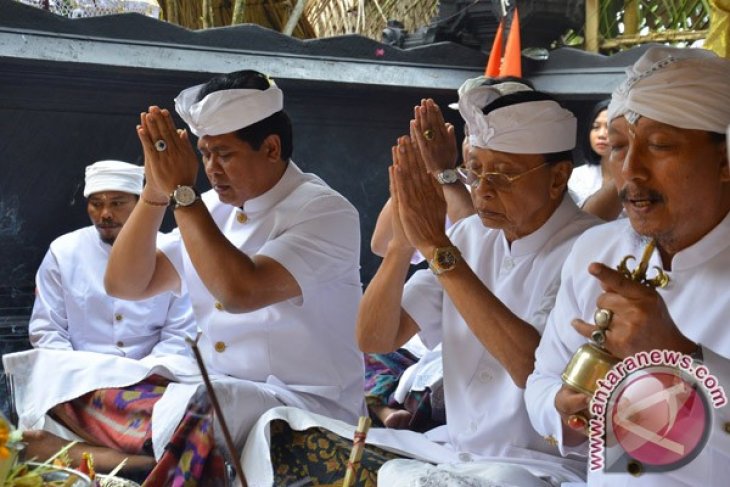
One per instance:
[(444, 259)]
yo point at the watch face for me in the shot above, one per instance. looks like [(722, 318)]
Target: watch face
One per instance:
[(447, 176), (184, 196), (446, 259)]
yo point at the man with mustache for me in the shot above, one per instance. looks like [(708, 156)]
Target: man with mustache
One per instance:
[(72, 311), (667, 124)]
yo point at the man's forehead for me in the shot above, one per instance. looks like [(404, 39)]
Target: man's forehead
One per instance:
[(492, 157), (111, 195), (215, 142), (644, 124)]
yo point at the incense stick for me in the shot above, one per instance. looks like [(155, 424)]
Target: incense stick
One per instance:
[(217, 409), (358, 446)]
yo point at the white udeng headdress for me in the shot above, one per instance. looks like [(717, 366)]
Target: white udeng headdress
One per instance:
[(226, 111), (113, 176), (533, 127), (683, 87)]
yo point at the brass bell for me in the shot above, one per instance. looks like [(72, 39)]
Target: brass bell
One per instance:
[(591, 362)]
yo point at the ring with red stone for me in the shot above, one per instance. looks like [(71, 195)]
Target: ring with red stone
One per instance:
[(577, 422)]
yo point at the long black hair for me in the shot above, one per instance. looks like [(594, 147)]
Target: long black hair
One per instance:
[(592, 157)]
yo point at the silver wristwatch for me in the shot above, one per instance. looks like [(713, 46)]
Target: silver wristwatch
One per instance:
[(184, 196), (447, 176)]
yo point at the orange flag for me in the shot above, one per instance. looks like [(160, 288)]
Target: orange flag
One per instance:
[(495, 56), (512, 64)]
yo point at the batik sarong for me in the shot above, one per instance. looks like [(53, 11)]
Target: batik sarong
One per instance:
[(121, 419)]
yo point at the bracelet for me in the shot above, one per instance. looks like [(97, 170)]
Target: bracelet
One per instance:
[(154, 203)]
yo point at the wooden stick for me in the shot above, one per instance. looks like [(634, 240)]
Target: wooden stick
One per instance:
[(294, 18), (358, 446), (217, 409)]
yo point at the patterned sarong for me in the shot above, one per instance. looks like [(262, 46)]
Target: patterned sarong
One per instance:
[(121, 419), (317, 456), (382, 373)]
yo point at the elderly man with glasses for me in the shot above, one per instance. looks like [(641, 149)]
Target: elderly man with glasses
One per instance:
[(492, 282)]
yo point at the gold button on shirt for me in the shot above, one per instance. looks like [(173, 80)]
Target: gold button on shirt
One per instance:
[(218, 306), (220, 347), (726, 427), (550, 440), (118, 317), (241, 217)]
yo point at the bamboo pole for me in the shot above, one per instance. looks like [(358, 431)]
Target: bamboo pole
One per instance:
[(666, 36), (238, 10), (213, 13), (591, 27), (631, 17), (171, 12), (358, 446), (294, 17), (204, 18)]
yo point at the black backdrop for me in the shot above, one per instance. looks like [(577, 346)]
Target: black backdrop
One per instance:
[(56, 119)]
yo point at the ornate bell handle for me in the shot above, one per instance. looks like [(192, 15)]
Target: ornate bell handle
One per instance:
[(638, 274)]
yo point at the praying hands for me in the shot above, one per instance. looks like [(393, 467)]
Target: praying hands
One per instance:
[(421, 208), (170, 159)]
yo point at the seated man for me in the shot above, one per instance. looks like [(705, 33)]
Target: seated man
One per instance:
[(270, 257), (72, 310), (667, 125), (492, 282)]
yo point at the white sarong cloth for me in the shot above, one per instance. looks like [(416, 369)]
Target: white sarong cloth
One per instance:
[(75, 373), (423, 447)]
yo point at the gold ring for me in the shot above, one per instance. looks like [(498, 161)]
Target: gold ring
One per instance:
[(428, 134), (603, 318)]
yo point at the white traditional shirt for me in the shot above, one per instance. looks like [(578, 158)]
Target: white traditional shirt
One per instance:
[(485, 409), (305, 344), (72, 310), (584, 181), (697, 299)]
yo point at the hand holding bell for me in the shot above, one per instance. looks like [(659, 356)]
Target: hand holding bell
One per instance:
[(593, 361)]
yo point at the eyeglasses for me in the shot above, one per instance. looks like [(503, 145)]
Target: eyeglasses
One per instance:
[(497, 180)]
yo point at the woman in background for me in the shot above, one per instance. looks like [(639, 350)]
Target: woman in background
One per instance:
[(593, 185)]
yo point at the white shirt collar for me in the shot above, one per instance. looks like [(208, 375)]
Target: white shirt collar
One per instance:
[(706, 248), (289, 180), (533, 242)]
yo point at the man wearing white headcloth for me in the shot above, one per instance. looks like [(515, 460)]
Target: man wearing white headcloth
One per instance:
[(87, 341), (270, 255), (491, 284), (72, 311), (667, 125)]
